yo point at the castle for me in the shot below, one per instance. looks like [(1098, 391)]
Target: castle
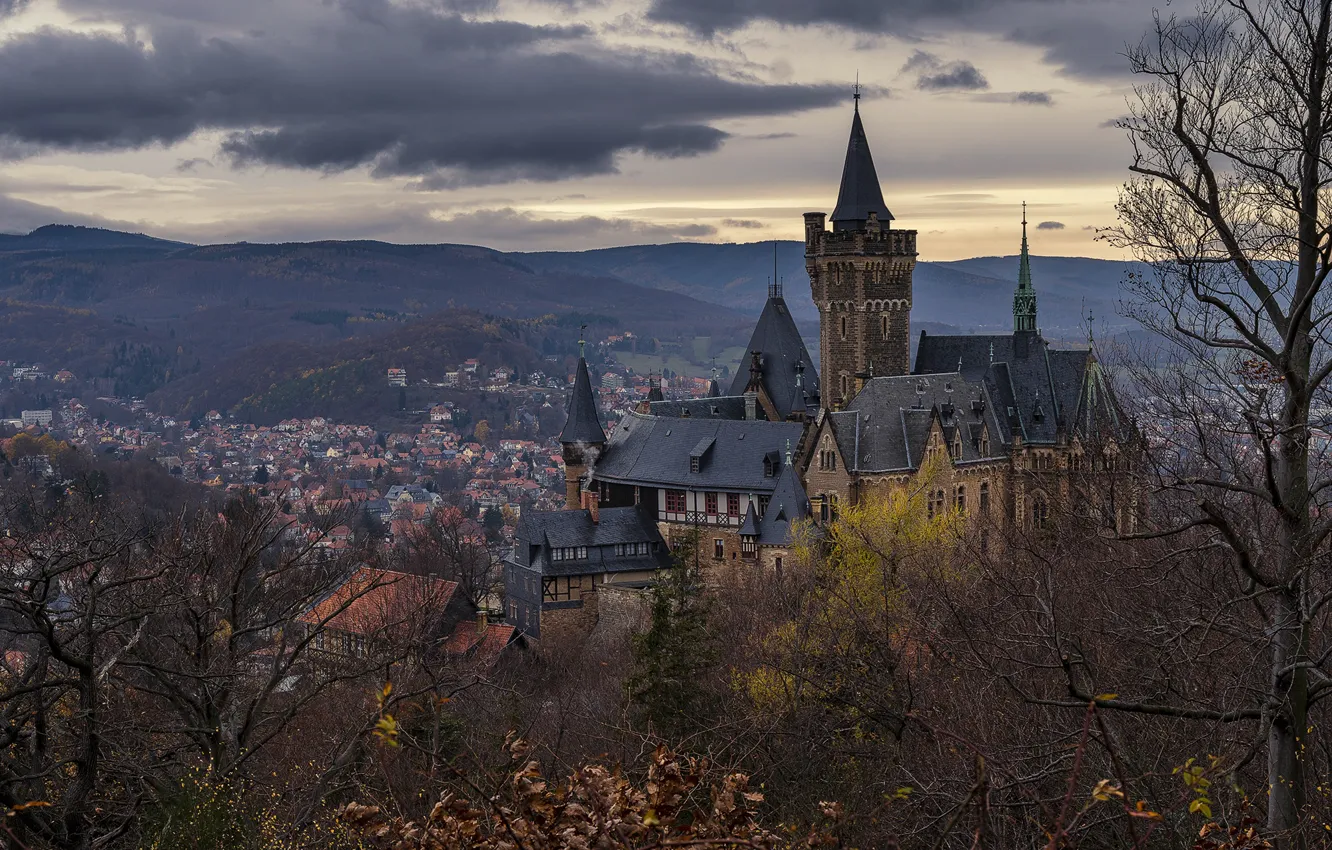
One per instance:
[(1012, 429)]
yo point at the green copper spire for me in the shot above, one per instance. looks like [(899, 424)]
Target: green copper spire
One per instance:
[(1024, 299)]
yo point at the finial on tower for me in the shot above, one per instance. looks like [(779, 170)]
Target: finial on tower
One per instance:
[(856, 90), (1091, 328), (582, 332)]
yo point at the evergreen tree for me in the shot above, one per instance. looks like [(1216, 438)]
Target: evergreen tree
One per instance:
[(667, 688), (261, 474)]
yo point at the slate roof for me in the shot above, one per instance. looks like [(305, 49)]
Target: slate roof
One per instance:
[(1036, 390), (781, 350), (788, 505), (540, 531), (887, 425), (750, 527), (655, 451), (723, 407), (582, 424), (860, 192)]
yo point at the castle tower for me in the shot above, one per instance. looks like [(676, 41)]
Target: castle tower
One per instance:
[(1024, 298), (860, 277), (582, 439)]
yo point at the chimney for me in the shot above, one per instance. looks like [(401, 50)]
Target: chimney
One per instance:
[(592, 505), (751, 405), (481, 621)]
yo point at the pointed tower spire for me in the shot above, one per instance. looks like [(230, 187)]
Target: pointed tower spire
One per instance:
[(582, 438), (860, 193), (1024, 299)]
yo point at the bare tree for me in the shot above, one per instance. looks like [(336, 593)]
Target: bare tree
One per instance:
[(453, 546), (1230, 135), (69, 576)]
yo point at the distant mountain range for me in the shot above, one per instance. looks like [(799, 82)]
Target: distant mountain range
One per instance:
[(153, 315), (970, 295)]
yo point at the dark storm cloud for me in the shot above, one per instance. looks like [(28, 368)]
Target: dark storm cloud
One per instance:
[(1021, 98), (1050, 225), (406, 90), (1082, 37), (955, 76), (934, 74), (1033, 98)]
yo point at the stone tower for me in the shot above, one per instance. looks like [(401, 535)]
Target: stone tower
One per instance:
[(860, 277), (582, 439), (1024, 299)]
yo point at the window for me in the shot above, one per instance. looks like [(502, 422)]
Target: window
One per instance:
[(748, 547), (642, 548), (710, 504), (823, 508), (581, 553), (844, 386), (828, 460), (985, 497), (844, 327), (733, 504), (961, 499), (985, 446), (1040, 512), (936, 505), (557, 554), (884, 321), (675, 501), (718, 548), (763, 505), (777, 562)]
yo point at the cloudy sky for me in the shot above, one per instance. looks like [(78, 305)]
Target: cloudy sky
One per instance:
[(548, 124)]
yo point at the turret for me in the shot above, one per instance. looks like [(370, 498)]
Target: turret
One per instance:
[(582, 438)]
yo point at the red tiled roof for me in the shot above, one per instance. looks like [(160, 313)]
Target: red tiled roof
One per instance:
[(483, 644), (373, 600)]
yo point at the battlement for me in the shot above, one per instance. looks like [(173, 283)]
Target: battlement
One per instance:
[(872, 240)]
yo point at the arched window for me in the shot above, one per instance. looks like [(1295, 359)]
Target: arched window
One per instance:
[(961, 498), (884, 321), (1040, 512), (985, 497), (844, 327), (935, 504)]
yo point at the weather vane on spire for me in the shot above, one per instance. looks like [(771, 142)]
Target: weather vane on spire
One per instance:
[(582, 332), (1024, 213), (856, 95)]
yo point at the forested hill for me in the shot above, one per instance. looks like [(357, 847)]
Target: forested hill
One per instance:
[(203, 326)]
